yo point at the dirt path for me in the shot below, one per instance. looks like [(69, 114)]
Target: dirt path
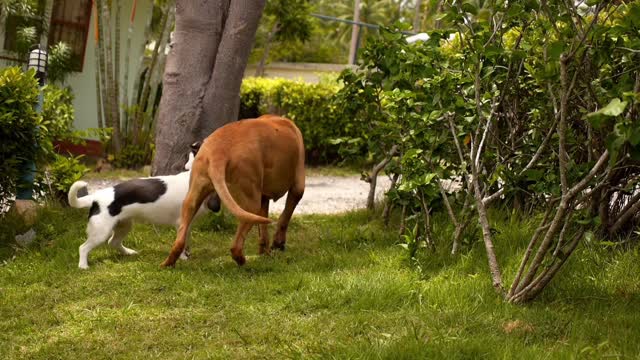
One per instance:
[(323, 194)]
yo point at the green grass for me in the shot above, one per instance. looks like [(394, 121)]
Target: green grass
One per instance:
[(122, 174), (343, 289), (119, 174)]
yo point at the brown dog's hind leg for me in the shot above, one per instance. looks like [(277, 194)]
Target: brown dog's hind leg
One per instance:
[(264, 228), (293, 198), (198, 191), (237, 252)]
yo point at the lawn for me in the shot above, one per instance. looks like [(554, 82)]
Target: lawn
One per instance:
[(343, 289)]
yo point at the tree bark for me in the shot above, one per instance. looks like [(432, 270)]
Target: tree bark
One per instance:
[(373, 178), (353, 49), (386, 212), (417, 17), (102, 54), (116, 61), (127, 55), (98, 67), (267, 48), (111, 101), (205, 65)]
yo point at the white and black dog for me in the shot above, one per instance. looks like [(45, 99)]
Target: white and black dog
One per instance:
[(157, 200)]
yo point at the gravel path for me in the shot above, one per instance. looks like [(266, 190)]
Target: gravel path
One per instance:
[(322, 195)]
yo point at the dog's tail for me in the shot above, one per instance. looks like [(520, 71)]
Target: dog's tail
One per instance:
[(79, 202), (217, 175)]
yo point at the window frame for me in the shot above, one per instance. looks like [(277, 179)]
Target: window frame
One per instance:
[(85, 27)]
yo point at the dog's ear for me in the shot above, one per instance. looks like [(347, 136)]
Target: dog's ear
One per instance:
[(189, 163), (195, 147)]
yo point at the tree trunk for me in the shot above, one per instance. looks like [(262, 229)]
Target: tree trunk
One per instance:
[(127, 55), (102, 64), (373, 178), (98, 68), (386, 212), (353, 49), (116, 63), (267, 47), (111, 101), (202, 78), (417, 17)]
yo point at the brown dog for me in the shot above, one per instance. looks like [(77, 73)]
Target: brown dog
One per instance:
[(247, 163)]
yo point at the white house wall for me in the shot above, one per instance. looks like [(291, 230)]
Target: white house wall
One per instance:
[(84, 83)]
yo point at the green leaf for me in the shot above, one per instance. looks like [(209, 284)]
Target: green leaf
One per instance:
[(470, 8), (555, 50), (614, 108)]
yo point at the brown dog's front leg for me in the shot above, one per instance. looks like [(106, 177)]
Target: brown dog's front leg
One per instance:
[(177, 248), (190, 205)]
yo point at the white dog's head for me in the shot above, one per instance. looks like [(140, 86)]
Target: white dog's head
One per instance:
[(192, 154), (189, 163)]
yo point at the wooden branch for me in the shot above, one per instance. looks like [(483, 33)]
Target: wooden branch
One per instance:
[(452, 128), (560, 242), (602, 161), (373, 178), (489, 199), (483, 219), (525, 259), (403, 220), (386, 212), (559, 218), (630, 210), (445, 199), (545, 277), (562, 125), (585, 33), (427, 220)]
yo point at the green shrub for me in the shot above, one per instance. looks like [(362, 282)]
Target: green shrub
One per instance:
[(58, 113), (310, 106), (60, 175), (27, 135), (18, 125), (134, 156)]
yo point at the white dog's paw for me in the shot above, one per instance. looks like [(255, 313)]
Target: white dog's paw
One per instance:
[(83, 266), (186, 253), (127, 251)]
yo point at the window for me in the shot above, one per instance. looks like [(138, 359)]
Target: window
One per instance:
[(15, 22), (70, 21)]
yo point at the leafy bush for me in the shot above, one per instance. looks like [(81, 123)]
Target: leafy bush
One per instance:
[(58, 113), (60, 63), (310, 106), (518, 109), (134, 156), (18, 125), (60, 175), (27, 135)]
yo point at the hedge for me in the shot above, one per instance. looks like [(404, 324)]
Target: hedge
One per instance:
[(18, 125), (310, 106), (27, 135)]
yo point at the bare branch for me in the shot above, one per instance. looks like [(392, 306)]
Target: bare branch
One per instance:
[(525, 259), (455, 138), (630, 210), (373, 178), (545, 277), (602, 161), (483, 219)]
